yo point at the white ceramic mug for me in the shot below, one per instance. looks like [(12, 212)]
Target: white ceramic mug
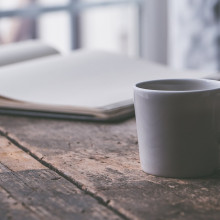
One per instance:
[(177, 126)]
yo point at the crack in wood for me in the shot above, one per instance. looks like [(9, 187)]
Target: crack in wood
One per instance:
[(80, 186)]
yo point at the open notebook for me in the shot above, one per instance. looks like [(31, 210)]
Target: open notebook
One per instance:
[(88, 85)]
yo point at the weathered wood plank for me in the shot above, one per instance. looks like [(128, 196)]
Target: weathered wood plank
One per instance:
[(10, 208), (103, 158), (29, 190)]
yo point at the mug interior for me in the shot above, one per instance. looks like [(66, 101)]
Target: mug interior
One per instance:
[(180, 85)]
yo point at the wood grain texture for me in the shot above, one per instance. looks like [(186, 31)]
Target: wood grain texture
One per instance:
[(29, 190), (103, 159), (11, 208)]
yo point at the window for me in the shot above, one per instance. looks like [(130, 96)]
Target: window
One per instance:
[(70, 24)]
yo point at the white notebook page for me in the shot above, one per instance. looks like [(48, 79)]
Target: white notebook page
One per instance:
[(88, 79)]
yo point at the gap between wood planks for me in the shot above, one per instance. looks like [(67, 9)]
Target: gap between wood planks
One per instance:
[(76, 183)]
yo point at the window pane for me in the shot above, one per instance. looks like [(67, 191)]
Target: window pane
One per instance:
[(14, 4), (54, 28), (52, 2), (16, 29), (112, 28)]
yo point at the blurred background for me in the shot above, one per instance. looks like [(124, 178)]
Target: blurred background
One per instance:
[(181, 34)]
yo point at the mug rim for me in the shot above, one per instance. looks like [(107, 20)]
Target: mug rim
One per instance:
[(216, 86)]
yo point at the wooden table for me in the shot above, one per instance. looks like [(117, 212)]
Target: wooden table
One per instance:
[(53, 169)]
